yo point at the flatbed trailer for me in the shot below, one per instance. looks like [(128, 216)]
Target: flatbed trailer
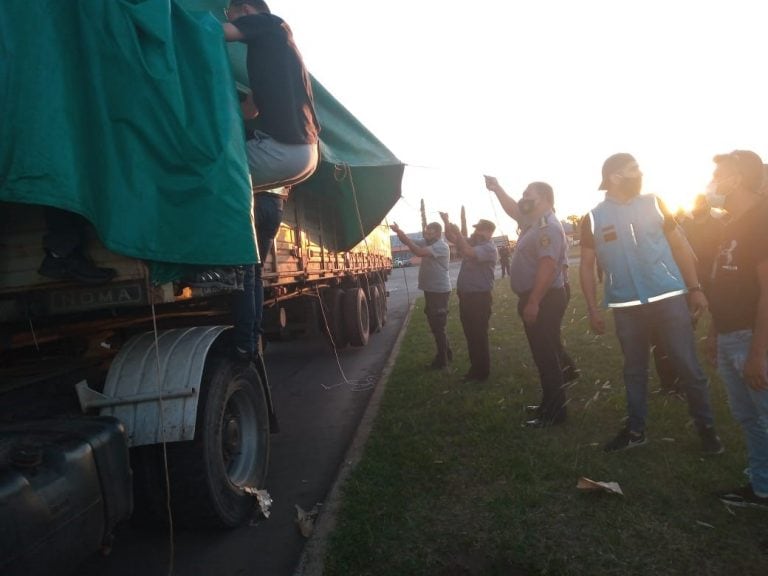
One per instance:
[(113, 396)]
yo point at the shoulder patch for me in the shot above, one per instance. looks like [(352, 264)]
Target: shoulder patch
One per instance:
[(544, 241)]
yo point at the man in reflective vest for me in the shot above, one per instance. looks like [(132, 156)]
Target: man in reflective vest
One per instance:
[(651, 284)]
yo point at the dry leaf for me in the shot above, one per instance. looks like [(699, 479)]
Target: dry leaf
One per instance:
[(306, 520), (263, 498)]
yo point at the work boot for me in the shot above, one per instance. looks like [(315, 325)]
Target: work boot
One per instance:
[(441, 358), (75, 266)]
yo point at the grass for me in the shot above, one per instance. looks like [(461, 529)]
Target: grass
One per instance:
[(451, 483)]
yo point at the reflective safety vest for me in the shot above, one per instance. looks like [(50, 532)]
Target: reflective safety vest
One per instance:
[(634, 252)]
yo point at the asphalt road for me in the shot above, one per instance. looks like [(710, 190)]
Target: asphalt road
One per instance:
[(319, 412)]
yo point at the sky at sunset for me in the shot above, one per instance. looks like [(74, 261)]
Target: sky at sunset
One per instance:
[(542, 90)]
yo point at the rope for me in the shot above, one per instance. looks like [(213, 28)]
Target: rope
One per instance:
[(357, 385), (172, 550), (34, 336)]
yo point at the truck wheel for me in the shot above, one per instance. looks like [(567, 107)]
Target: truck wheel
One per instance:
[(356, 316), (374, 307), (230, 450), (333, 306), (382, 304)]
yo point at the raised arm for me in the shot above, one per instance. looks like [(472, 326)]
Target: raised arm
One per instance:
[(507, 202), (412, 246)]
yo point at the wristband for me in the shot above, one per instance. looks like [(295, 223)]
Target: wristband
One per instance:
[(696, 288)]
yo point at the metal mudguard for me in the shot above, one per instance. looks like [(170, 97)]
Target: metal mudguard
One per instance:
[(134, 394)]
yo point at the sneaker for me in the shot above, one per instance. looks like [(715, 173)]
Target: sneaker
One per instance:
[(75, 267), (220, 278), (743, 497), (710, 441), (626, 439)]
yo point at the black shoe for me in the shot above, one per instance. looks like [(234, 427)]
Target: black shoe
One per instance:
[(571, 374), (472, 377), (74, 267), (710, 441), (438, 363), (626, 439), (743, 497)]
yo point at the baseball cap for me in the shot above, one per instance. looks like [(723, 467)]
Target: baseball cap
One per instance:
[(483, 224), (613, 164)]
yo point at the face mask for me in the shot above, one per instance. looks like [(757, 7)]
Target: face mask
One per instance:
[(526, 205), (475, 239), (714, 198), (630, 187)]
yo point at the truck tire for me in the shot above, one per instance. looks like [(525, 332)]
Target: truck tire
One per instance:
[(382, 303), (356, 316), (333, 308), (230, 451), (374, 307)]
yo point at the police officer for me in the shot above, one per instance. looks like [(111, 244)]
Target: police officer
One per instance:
[(537, 275), (474, 287), (435, 281)]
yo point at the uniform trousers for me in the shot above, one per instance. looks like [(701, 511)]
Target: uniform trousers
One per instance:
[(475, 314), (547, 350)]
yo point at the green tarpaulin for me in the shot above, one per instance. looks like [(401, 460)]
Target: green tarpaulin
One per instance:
[(124, 111)]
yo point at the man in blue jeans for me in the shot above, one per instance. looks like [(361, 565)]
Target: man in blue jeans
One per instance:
[(738, 295), (283, 150), (649, 273)]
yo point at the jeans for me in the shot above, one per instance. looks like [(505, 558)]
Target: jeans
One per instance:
[(65, 231), (475, 314), (249, 304), (748, 406), (672, 321), (548, 352)]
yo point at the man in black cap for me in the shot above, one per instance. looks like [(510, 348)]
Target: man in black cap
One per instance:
[(474, 287), (651, 285)]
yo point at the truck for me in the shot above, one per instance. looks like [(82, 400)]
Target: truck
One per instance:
[(114, 396)]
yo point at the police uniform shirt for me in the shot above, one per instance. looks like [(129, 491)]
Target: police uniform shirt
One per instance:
[(477, 274), (545, 238), (433, 271)]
